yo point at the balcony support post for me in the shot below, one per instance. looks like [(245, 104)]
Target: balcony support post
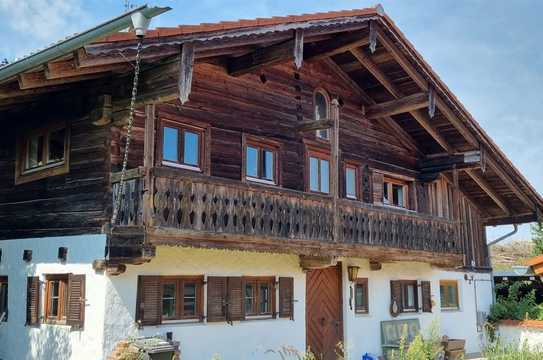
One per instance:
[(334, 179), (148, 162)]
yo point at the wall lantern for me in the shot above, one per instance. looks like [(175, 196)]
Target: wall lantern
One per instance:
[(353, 275)]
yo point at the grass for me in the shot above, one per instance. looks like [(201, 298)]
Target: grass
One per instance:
[(500, 351)]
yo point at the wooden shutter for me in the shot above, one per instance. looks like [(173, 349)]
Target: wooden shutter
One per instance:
[(286, 297), (367, 179), (149, 301), (33, 301), (426, 296), (75, 308), (378, 183), (216, 298), (235, 308), (396, 296)]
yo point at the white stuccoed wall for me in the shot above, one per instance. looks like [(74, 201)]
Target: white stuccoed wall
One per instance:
[(17, 341), (201, 341), (522, 334), (363, 332)]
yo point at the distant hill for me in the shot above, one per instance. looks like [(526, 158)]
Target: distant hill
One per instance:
[(506, 255)]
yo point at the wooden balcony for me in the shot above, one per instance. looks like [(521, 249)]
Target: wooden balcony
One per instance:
[(195, 210)]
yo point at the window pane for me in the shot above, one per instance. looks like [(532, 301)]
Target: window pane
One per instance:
[(249, 298), (313, 174), (386, 200), (350, 182), (443, 295), (3, 301), (267, 166), (170, 144), (410, 296), (252, 162), (325, 186), (453, 298), (360, 296), (34, 156), (168, 300), (191, 148), (56, 146), (264, 298), (397, 193), (321, 106), (189, 299)]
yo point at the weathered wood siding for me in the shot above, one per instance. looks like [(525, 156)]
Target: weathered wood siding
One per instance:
[(73, 203)]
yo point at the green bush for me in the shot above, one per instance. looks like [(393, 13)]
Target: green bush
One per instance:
[(516, 306), (421, 348)]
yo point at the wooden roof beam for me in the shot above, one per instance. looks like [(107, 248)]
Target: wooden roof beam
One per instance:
[(404, 138), (399, 106), (487, 188), (506, 178), (423, 120), (423, 84), (336, 45), (38, 79), (66, 69), (261, 57)]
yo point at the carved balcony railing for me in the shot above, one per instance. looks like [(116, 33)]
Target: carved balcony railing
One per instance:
[(203, 205)]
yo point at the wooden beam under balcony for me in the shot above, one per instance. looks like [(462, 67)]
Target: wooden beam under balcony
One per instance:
[(398, 106)]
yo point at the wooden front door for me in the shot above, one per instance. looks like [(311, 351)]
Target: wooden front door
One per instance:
[(324, 325)]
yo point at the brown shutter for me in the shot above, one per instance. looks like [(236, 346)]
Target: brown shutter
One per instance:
[(75, 309), (33, 301), (426, 296), (378, 180), (216, 298), (235, 308), (286, 297), (367, 178), (395, 296), (149, 301)]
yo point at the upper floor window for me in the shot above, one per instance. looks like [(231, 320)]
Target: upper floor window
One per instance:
[(395, 192), (319, 173), (448, 290), (351, 181), (261, 163), (3, 298), (42, 153), (182, 146), (321, 111)]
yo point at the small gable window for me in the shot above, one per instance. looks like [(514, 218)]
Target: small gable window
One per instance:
[(182, 146), (42, 153), (321, 111)]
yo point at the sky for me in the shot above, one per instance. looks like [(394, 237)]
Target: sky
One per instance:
[(488, 52)]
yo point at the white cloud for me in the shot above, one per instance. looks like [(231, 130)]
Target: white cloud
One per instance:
[(39, 23)]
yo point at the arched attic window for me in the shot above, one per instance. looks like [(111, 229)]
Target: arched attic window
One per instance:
[(321, 110)]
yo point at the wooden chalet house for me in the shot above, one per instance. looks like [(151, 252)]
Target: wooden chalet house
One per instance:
[(291, 182)]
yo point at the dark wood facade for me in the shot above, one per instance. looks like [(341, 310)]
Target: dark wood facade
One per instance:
[(246, 85)]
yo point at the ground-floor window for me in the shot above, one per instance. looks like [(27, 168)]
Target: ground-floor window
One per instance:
[(448, 290), (182, 298), (361, 296), (3, 298), (56, 296), (259, 295)]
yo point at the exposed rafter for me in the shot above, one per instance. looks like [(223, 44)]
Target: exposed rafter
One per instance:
[(487, 188), (336, 45), (388, 122), (38, 79), (65, 69), (423, 121), (398, 106)]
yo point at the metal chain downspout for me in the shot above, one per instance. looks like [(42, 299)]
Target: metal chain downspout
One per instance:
[(120, 188)]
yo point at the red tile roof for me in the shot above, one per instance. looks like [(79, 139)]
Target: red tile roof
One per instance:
[(240, 24)]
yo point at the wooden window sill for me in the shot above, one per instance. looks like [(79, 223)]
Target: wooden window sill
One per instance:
[(181, 166), (181, 321), (451, 309), (260, 181), (258, 317)]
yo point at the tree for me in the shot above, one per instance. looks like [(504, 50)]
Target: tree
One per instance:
[(537, 238)]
